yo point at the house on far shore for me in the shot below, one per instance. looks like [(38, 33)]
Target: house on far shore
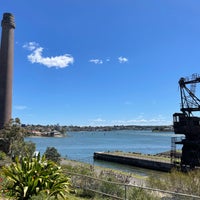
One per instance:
[(53, 133)]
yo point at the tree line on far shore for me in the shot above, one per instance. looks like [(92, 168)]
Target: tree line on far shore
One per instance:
[(72, 128)]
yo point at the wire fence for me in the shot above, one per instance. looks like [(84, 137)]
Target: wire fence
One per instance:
[(120, 191)]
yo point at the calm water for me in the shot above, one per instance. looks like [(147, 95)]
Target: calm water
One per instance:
[(81, 145)]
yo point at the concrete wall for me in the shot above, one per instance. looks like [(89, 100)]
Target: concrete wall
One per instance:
[(143, 163)]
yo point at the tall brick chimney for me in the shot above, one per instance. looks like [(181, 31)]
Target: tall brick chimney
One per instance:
[(6, 68)]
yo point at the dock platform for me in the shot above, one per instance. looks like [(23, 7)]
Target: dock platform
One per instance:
[(135, 160)]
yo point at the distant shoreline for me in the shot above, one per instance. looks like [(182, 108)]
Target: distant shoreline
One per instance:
[(161, 128), (37, 136)]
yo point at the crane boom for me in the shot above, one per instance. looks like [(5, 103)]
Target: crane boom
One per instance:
[(189, 101)]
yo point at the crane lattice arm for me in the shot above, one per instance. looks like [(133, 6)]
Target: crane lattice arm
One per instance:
[(189, 102)]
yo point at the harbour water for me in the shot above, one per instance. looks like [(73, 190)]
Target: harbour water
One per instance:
[(81, 145)]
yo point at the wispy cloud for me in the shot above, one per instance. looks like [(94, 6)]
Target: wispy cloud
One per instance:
[(96, 61), (122, 59), (31, 46), (141, 120), (36, 56), (101, 61), (99, 120), (20, 107)]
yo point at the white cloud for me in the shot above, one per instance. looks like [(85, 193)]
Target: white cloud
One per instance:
[(31, 46), (99, 120), (56, 61), (96, 61), (20, 107), (122, 59)]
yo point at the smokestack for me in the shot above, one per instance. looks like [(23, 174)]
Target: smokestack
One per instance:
[(6, 68)]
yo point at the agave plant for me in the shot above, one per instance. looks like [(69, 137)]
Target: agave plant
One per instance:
[(30, 176)]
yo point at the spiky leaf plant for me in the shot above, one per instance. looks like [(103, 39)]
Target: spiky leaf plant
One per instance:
[(30, 176)]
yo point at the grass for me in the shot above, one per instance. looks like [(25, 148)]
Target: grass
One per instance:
[(100, 174), (95, 171), (140, 156)]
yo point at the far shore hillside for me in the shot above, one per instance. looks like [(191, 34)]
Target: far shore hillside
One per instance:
[(61, 131)]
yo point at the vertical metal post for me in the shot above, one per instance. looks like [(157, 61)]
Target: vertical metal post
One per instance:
[(125, 192)]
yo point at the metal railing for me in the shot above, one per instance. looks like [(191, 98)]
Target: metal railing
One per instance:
[(121, 191)]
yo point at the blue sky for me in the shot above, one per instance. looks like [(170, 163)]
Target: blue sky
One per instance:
[(102, 62)]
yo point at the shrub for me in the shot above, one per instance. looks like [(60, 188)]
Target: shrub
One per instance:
[(178, 182), (52, 154), (41, 196), (22, 149), (2, 155), (30, 176), (111, 188), (138, 194), (84, 169)]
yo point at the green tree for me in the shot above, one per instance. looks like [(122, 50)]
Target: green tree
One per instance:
[(22, 149), (31, 176), (13, 130), (52, 154), (12, 141), (10, 133)]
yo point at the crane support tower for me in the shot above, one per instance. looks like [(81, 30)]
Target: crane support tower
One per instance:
[(186, 123)]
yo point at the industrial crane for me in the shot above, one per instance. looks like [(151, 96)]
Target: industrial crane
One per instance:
[(186, 123)]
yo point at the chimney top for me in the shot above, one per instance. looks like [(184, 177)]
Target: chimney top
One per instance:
[(8, 20)]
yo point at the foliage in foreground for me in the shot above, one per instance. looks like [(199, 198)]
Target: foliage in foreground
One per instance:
[(31, 176)]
